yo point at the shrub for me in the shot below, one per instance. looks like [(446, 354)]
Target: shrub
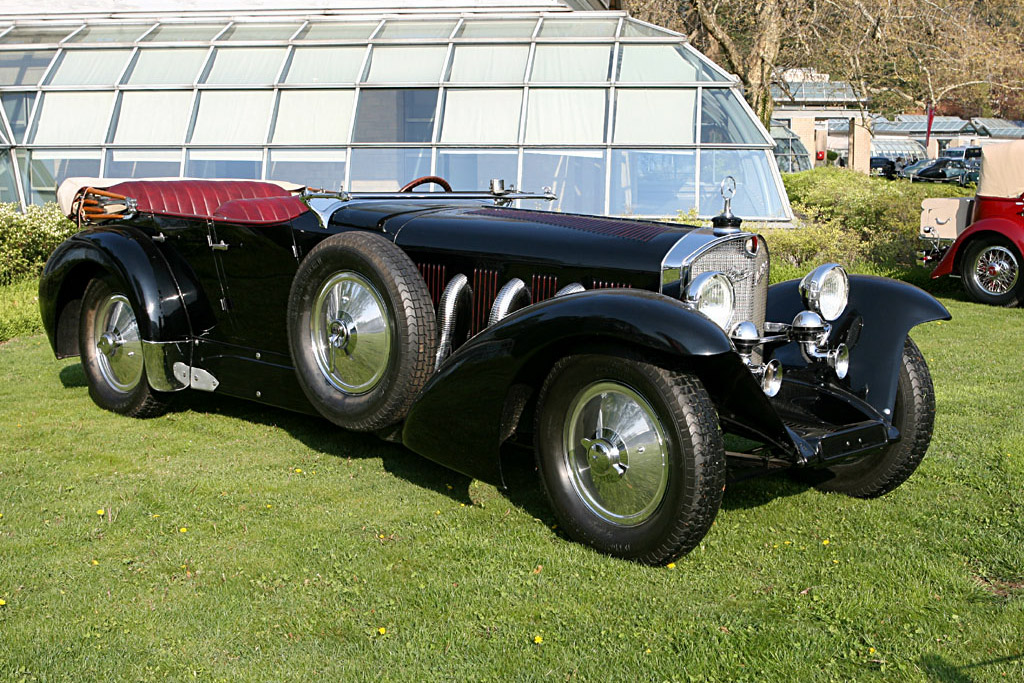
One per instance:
[(27, 239), (870, 219)]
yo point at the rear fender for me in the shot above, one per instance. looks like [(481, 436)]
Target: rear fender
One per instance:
[(880, 314), (1003, 227), (462, 415), (127, 254)]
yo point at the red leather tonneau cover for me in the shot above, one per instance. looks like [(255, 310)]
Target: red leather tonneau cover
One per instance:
[(237, 201)]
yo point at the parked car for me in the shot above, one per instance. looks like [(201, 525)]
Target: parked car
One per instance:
[(908, 170), (883, 166), (617, 350), (981, 239), (965, 154), (941, 170)]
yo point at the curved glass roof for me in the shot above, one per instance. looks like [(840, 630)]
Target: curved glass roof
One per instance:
[(615, 115)]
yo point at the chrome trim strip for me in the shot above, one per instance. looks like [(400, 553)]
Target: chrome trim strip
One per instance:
[(687, 249)]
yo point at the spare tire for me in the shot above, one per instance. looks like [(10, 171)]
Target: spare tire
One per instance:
[(361, 329)]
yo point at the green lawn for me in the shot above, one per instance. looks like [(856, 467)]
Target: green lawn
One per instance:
[(238, 542)]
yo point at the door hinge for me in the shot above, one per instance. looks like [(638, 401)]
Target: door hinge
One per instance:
[(295, 250), (219, 246), (225, 304)]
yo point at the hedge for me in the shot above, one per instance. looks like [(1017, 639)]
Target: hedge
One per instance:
[(27, 239)]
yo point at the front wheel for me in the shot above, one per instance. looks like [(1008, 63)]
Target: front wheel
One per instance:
[(111, 351), (630, 455), (913, 415), (991, 272)]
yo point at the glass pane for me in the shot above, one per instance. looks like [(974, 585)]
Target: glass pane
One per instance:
[(260, 32), (514, 28), (571, 63), (38, 34), (322, 168), (73, 118), (218, 121), (18, 106), (416, 29), (406, 64), (724, 119), (489, 63), (481, 116), (245, 65), (110, 34), (576, 176), (338, 31), (473, 169), (655, 116), (563, 116), (245, 164), (653, 183), (153, 118), (387, 170), (44, 169), (634, 29), (757, 194), (167, 66), (89, 67), (24, 68), (8, 188), (395, 115), (578, 28), (183, 32), (661, 64), (325, 65), (314, 117), (143, 163)]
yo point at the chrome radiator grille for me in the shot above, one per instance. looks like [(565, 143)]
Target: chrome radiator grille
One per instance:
[(749, 275)]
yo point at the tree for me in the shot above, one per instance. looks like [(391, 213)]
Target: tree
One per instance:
[(962, 55)]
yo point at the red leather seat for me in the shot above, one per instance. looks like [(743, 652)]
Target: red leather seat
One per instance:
[(205, 198)]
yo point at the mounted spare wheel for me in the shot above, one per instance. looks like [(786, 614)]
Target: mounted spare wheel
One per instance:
[(361, 329)]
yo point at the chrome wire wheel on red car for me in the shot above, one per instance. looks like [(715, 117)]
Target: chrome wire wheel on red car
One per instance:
[(991, 272), (630, 455)]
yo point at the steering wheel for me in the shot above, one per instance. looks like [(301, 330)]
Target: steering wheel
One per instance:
[(437, 180)]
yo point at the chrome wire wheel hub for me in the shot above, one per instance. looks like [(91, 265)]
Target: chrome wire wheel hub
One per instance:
[(996, 270), (351, 336), (616, 453), (118, 346)]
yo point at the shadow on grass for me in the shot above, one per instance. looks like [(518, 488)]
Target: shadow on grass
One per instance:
[(760, 490), (72, 376), (938, 669), (323, 437)]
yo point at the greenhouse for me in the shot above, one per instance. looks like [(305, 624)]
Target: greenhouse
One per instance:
[(617, 116), (790, 153)]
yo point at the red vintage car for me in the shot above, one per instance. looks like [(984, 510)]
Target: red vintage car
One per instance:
[(981, 239)]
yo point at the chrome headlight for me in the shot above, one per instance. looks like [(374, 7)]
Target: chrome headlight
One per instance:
[(712, 294), (826, 290)]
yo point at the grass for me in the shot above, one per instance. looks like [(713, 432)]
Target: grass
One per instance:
[(19, 309), (239, 542)]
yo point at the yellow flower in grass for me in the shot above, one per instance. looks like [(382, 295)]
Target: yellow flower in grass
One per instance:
[(538, 640), (183, 530), (382, 631), (2, 602), (825, 542), (101, 512), (871, 650), (298, 471), (671, 565), (95, 562)]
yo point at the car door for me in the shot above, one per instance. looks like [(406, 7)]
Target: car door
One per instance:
[(256, 264)]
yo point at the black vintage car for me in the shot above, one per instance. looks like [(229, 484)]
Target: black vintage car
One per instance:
[(618, 350)]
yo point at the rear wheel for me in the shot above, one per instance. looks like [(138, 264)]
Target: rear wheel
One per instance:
[(111, 351), (991, 272), (913, 415), (630, 455)]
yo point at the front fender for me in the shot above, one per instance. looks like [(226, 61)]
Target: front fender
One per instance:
[(128, 254), (880, 314), (998, 225), (458, 418)]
